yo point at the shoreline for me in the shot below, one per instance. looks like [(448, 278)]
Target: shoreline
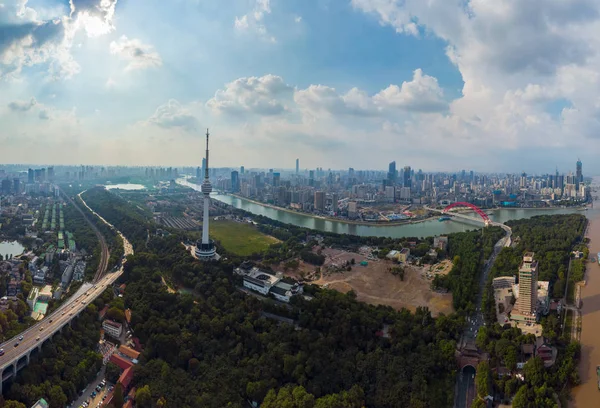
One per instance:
[(325, 218)]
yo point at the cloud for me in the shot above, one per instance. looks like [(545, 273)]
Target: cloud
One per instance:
[(422, 94), (253, 22), (173, 115), (298, 19), (26, 40), (139, 55), (266, 95), (22, 106)]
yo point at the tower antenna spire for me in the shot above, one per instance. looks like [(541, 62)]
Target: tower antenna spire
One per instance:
[(206, 169)]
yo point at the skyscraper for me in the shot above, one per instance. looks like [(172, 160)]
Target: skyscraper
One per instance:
[(276, 179), (30, 176), (392, 172), (320, 200), (205, 250), (579, 173), (407, 178), (242, 170), (297, 166), (527, 301), (235, 181)]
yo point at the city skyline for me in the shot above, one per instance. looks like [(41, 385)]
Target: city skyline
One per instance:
[(95, 82)]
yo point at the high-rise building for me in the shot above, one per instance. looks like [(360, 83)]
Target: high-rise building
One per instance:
[(579, 173), (334, 202), (235, 181), (16, 186), (276, 179), (407, 177), (523, 181), (297, 166), (198, 173), (205, 249), (320, 200), (527, 301), (242, 170), (392, 172), (51, 173), (5, 186), (30, 176)]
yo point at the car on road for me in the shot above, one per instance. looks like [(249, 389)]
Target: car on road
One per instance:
[(62, 314), (20, 338), (42, 328), (50, 321), (37, 338), (1, 352), (17, 344)]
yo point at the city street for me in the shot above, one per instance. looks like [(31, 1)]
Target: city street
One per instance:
[(88, 391)]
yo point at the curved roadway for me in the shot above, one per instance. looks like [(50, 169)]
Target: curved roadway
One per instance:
[(44, 329)]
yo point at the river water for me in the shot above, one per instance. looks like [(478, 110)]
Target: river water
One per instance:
[(587, 394), (419, 229)]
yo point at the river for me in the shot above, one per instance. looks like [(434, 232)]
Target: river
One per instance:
[(587, 394), (419, 229)]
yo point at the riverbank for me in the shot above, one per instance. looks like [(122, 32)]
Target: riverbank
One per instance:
[(341, 220), (586, 394)]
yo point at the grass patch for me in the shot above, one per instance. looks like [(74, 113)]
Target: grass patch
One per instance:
[(240, 238)]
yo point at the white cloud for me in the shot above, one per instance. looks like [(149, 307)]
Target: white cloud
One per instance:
[(422, 94), (266, 95), (253, 22), (298, 19), (139, 55), (173, 115), (22, 106)]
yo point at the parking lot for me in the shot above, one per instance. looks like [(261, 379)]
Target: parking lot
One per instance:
[(87, 398)]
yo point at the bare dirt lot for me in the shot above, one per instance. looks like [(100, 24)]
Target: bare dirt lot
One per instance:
[(375, 283)]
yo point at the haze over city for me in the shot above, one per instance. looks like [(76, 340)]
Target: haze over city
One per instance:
[(341, 84)]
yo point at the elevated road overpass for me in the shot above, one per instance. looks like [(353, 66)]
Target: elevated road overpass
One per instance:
[(19, 349)]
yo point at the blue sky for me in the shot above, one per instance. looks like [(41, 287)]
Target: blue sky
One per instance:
[(438, 85)]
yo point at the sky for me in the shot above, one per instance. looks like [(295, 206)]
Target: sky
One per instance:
[(441, 85)]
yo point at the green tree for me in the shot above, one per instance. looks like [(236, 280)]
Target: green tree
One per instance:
[(143, 397), (113, 372), (13, 404), (483, 379), (118, 396), (115, 314)]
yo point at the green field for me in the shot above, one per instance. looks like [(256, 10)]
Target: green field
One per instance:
[(240, 238)]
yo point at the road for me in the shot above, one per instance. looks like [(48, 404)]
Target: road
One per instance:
[(103, 264), (44, 329), (463, 397)]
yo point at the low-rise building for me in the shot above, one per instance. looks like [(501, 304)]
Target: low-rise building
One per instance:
[(260, 281), (403, 255), (440, 242), (41, 403), (129, 352), (112, 328)]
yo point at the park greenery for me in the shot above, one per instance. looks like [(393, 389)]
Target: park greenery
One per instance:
[(215, 348), (552, 238), (240, 238), (132, 221), (468, 251)]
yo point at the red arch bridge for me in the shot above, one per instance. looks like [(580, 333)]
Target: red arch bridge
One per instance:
[(479, 211)]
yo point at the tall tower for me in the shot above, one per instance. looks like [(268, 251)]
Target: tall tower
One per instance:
[(527, 301), (297, 166), (579, 173), (205, 249)]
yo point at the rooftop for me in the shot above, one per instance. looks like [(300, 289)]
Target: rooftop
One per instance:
[(266, 277)]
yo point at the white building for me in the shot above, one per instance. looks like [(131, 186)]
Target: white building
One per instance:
[(114, 329), (260, 281)]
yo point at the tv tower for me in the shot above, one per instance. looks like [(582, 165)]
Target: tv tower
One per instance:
[(205, 248)]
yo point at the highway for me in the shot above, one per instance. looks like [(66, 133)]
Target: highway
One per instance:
[(16, 356)]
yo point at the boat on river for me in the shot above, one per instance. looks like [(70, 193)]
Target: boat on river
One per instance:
[(444, 218)]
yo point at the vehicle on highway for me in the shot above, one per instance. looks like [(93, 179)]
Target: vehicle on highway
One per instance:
[(42, 328), (20, 338), (17, 344), (50, 320), (1, 352), (70, 314), (62, 314), (37, 338)]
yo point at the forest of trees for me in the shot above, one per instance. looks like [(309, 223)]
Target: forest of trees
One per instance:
[(215, 349), (468, 251), (130, 220)]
